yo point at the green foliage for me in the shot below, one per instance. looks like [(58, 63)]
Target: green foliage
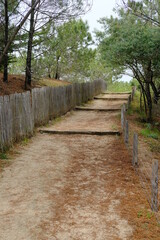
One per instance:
[(12, 11), (134, 107), (126, 43), (150, 215), (66, 51), (119, 87), (18, 66), (145, 214), (25, 141), (150, 133), (146, 10), (3, 156), (140, 214), (98, 70)]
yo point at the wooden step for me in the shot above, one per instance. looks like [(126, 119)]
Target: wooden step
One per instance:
[(98, 109), (80, 132), (111, 98), (118, 93)]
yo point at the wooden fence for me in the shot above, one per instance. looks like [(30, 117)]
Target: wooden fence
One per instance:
[(148, 174), (20, 113)]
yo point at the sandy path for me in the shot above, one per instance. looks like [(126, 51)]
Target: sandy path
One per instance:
[(113, 96), (72, 187), (91, 120), (105, 104), (85, 120)]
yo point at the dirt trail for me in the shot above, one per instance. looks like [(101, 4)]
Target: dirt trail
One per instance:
[(112, 97), (104, 104), (74, 187)]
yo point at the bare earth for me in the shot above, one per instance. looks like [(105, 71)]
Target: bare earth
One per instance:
[(113, 96), (86, 120), (74, 187), (105, 104)]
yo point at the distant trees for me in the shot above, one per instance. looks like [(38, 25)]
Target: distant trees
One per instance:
[(7, 11), (32, 16), (19, 21), (127, 43), (50, 12), (66, 51), (148, 10)]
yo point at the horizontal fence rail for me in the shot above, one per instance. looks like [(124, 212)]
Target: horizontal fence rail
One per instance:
[(21, 112)]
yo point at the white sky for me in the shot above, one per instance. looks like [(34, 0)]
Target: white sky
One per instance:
[(100, 9)]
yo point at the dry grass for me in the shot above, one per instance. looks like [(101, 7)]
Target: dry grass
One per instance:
[(51, 82), (16, 84)]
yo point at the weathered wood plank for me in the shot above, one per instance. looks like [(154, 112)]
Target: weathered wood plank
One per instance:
[(99, 133), (154, 183), (135, 150), (98, 109)]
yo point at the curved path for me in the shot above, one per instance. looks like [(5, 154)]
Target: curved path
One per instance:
[(64, 187)]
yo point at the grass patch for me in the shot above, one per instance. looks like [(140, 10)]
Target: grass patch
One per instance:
[(3, 156), (134, 109), (119, 87), (140, 214), (51, 82), (54, 121), (148, 215), (25, 141), (134, 106), (114, 127), (150, 132), (155, 147)]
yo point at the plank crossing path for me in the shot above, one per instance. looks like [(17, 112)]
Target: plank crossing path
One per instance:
[(74, 185)]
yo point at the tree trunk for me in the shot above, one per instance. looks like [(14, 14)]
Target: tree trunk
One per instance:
[(141, 107), (17, 30), (155, 91), (57, 75), (149, 102), (49, 75), (5, 77), (145, 104), (28, 77)]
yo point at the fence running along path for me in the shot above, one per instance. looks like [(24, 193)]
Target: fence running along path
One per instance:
[(148, 175), (20, 113)]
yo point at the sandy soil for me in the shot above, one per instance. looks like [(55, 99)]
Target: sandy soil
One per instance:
[(101, 104), (91, 120), (74, 187), (146, 156), (86, 120), (16, 84), (113, 96)]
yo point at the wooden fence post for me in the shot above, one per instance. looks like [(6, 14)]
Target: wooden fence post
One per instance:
[(126, 132), (154, 185), (129, 101), (122, 117), (132, 94), (135, 150)]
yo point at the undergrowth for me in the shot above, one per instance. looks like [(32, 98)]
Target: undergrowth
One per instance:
[(119, 87), (150, 132), (3, 156)]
